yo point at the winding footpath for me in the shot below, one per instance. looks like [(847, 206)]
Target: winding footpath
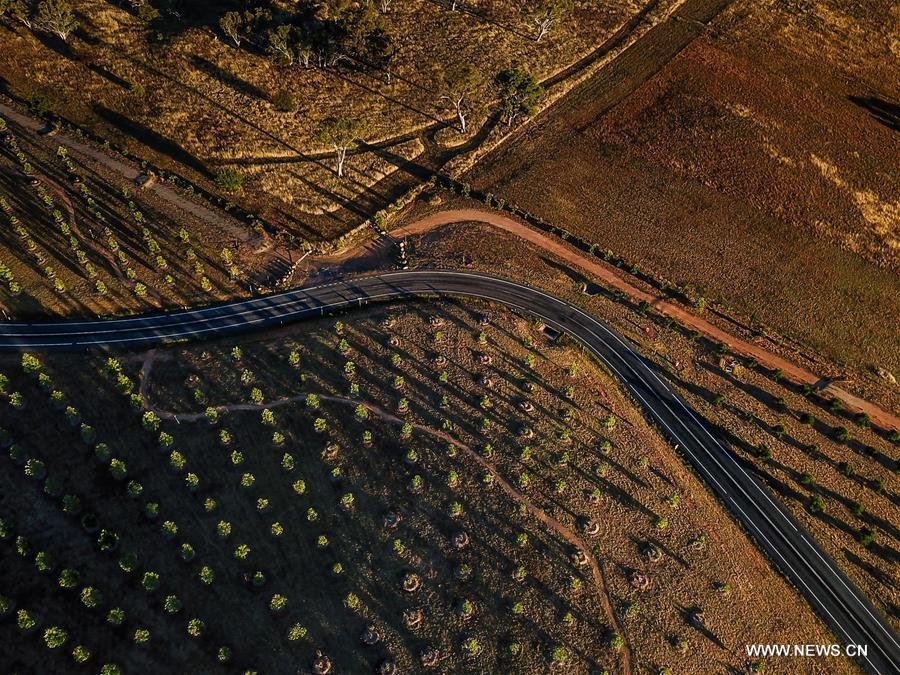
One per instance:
[(591, 560), (838, 602)]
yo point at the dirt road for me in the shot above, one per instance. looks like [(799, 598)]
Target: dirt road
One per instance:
[(607, 276)]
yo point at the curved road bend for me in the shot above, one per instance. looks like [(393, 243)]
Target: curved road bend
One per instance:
[(838, 602)]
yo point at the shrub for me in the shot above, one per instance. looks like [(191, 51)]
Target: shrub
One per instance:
[(283, 101), (68, 578), (296, 632), (25, 620), (560, 654), (816, 504), (35, 468), (172, 604), (115, 616), (207, 575), (90, 597), (229, 179), (81, 654), (866, 536), (150, 581), (128, 562), (616, 641), (117, 469), (151, 421)]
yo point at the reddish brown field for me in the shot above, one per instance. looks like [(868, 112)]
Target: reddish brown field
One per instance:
[(756, 164)]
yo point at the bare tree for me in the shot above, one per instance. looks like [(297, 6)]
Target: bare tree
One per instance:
[(385, 6), (231, 24), (458, 86), (55, 16), (341, 133), (545, 13)]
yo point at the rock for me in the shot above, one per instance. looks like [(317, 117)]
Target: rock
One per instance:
[(884, 374)]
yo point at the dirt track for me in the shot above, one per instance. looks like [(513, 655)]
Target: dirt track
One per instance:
[(598, 270)]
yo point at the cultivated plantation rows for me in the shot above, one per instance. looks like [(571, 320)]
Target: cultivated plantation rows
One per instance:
[(404, 490), (76, 244), (831, 466)]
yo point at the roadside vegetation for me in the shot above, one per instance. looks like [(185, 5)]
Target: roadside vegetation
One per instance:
[(404, 488), (266, 81), (833, 470)]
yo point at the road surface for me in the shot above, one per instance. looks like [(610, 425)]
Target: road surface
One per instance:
[(832, 595)]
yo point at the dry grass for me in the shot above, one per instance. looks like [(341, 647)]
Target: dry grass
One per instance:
[(211, 100), (749, 167)]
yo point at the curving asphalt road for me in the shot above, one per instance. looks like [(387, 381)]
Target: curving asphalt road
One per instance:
[(833, 596)]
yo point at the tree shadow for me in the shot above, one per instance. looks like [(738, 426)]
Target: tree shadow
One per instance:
[(151, 138), (108, 75), (230, 79), (885, 112)]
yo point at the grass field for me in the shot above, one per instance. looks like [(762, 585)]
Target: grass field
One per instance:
[(753, 166), (195, 103), (461, 497)]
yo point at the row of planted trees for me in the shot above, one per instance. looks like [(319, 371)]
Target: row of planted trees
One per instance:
[(107, 540)]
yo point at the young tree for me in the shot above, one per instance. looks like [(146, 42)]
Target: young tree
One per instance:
[(230, 180), (459, 84), (341, 133), (280, 44), (519, 93), (283, 101), (545, 13), (231, 24), (55, 16)]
